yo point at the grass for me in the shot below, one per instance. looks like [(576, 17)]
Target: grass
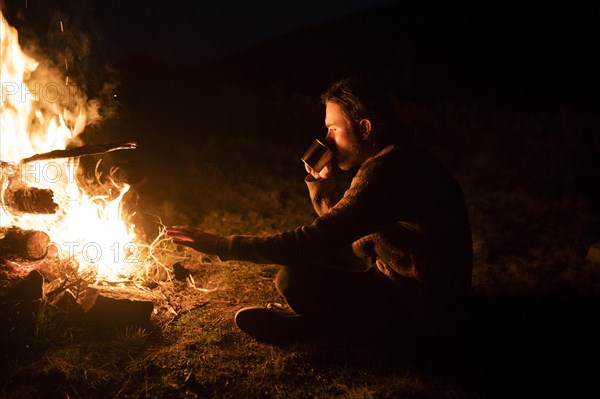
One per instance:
[(531, 232)]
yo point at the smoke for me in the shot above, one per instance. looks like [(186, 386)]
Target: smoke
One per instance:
[(73, 73)]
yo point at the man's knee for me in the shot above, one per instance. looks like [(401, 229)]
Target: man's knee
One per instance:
[(289, 281), (300, 288)]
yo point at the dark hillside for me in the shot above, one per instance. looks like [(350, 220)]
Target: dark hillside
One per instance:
[(501, 60), (496, 53)]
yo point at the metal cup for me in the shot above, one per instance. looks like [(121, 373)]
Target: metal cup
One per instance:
[(317, 156)]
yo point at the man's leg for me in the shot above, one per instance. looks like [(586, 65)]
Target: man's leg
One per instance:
[(332, 296), (341, 299)]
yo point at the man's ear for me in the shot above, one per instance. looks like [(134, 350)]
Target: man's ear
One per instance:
[(365, 128)]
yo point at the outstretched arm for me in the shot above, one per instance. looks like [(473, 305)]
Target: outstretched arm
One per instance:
[(197, 239), (367, 206)]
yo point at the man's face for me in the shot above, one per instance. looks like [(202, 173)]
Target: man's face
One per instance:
[(342, 137)]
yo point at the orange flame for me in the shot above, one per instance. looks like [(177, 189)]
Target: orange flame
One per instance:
[(39, 113)]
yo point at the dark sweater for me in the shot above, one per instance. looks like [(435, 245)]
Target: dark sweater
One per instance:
[(403, 213)]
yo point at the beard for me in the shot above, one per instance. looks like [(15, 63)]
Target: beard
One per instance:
[(353, 154)]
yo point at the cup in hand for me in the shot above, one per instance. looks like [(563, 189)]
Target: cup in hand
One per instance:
[(317, 156)]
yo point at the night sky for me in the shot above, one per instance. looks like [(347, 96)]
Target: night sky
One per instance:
[(559, 39), (202, 31), (513, 43), (181, 31)]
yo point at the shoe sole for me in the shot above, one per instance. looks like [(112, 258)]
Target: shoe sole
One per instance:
[(268, 325)]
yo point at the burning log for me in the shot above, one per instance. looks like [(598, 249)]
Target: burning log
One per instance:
[(26, 199), (82, 151), (25, 245), (31, 200)]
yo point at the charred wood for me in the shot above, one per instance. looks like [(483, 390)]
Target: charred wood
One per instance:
[(30, 200), (23, 245), (105, 305), (82, 151), (31, 287)]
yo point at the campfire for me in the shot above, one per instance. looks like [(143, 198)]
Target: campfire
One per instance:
[(51, 214)]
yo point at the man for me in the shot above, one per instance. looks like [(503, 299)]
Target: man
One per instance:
[(390, 253)]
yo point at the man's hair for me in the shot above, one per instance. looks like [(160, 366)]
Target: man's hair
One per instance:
[(366, 97)]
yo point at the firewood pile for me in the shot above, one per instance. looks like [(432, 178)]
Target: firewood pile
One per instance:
[(18, 198), (104, 304)]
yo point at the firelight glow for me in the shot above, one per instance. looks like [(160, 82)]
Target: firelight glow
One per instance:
[(40, 113)]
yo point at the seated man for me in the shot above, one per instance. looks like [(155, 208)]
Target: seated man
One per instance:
[(393, 250)]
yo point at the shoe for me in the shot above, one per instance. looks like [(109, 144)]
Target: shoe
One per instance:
[(274, 323)]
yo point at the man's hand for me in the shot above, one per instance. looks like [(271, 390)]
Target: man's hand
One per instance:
[(196, 239), (323, 174)]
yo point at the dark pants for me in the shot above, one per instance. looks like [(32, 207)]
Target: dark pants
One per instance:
[(347, 300), (367, 304)]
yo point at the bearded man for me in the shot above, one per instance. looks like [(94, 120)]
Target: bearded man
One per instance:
[(390, 253)]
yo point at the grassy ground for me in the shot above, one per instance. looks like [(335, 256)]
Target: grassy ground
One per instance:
[(530, 330)]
